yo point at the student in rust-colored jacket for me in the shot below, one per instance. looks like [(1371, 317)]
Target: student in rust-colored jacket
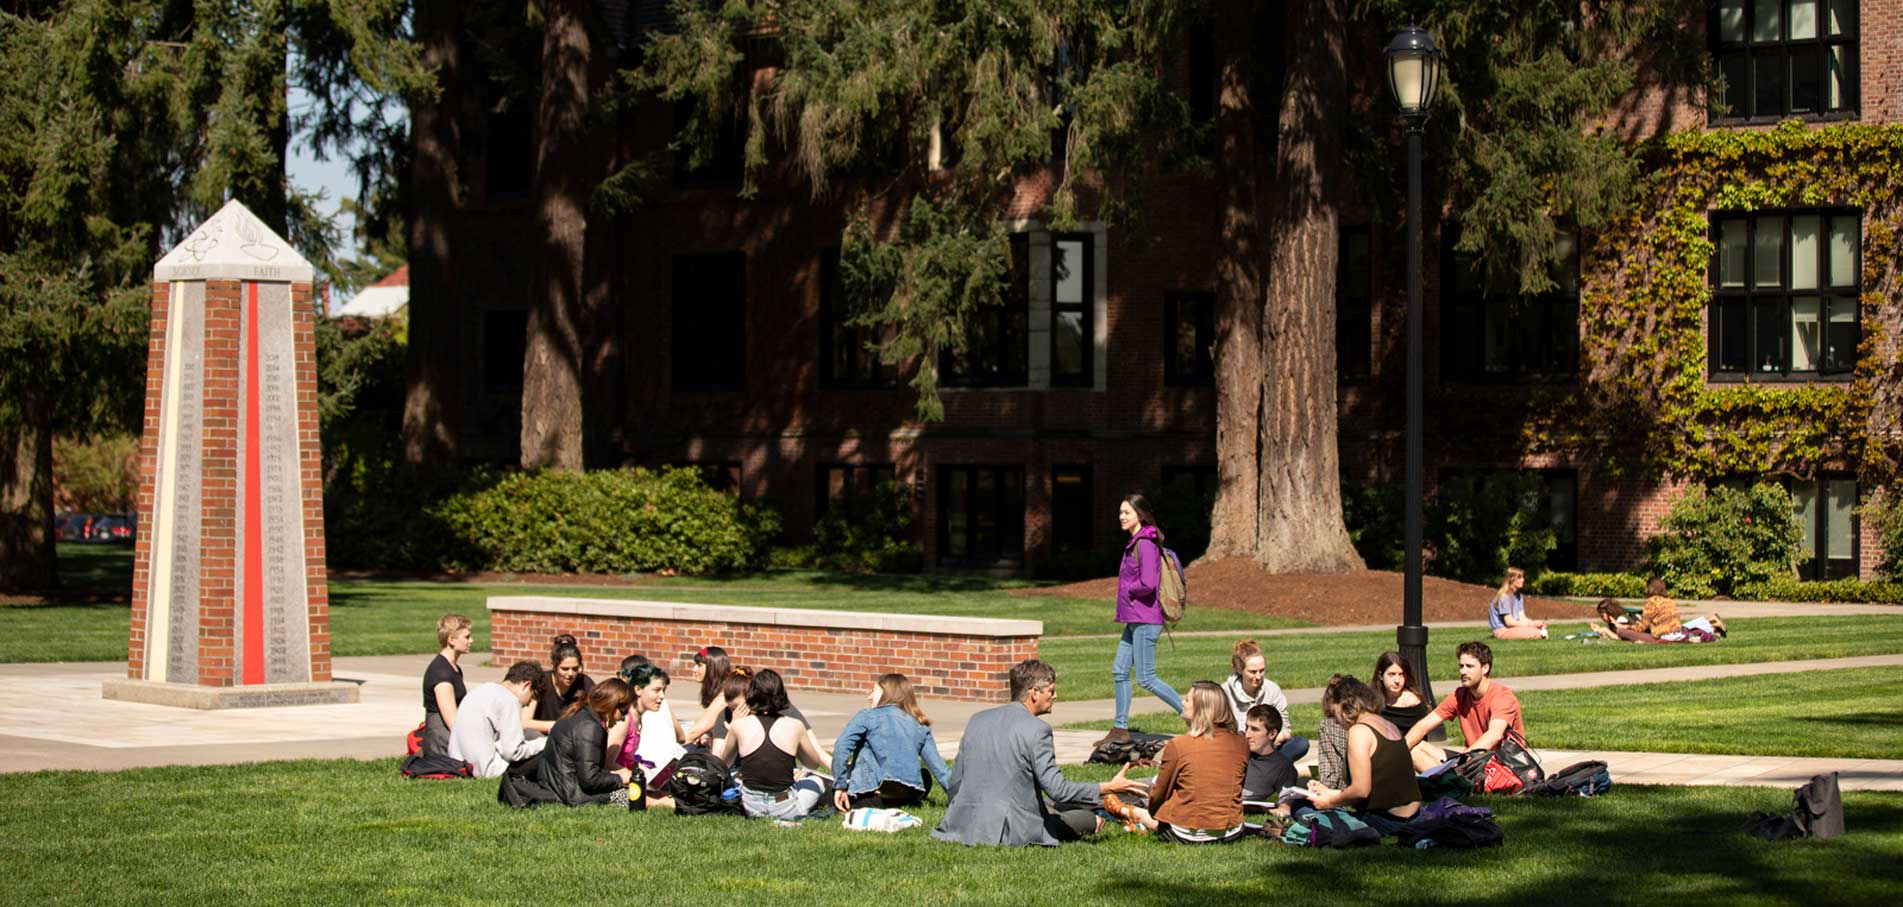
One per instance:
[(1196, 797)]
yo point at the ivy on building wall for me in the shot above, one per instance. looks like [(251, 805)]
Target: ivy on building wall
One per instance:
[(1644, 403)]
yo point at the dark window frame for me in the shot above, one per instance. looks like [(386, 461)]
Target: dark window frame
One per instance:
[(1085, 376), (693, 370), (720, 475), (1007, 331), (1085, 531), (1006, 524), (1201, 371), (1746, 303), (1817, 567), (1354, 310), (862, 369), (1464, 322), (1785, 49), (1564, 556), (853, 475)]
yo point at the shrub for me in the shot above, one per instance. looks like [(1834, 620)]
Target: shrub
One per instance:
[(611, 521), (383, 517), (1373, 515), (1478, 525), (1885, 513), (864, 533), (97, 475), (1718, 539), (1787, 589), (1589, 585)]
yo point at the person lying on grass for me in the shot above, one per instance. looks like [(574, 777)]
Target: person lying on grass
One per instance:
[(1382, 789), (882, 756), (763, 743), (1658, 621), (1196, 797), (1485, 708), (1007, 765)]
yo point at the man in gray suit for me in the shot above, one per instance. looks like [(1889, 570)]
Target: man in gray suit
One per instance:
[(1006, 760)]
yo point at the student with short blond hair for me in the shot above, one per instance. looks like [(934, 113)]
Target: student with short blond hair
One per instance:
[(443, 688)]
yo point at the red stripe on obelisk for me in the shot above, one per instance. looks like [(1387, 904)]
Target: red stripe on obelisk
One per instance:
[(253, 495)]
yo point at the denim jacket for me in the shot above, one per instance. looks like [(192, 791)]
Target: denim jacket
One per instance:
[(886, 744)]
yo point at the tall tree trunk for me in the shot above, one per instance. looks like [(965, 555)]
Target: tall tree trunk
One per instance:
[(1299, 524), (433, 394), (552, 369), (26, 499), (1238, 361)]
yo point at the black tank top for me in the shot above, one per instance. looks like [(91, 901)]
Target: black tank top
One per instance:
[(1394, 782), (768, 768)]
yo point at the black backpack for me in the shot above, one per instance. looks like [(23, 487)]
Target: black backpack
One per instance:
[(699, 785), (1139, 746), (1459, 831), (1818, 813), (1581, 779), (437, 767)]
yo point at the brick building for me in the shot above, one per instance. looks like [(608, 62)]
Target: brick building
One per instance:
[(1096, 380)]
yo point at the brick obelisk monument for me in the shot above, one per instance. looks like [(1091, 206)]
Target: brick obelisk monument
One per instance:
[(230, 606)]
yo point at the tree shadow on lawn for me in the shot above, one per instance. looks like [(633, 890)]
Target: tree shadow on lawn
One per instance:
[(1590, 852), (1883, 719)]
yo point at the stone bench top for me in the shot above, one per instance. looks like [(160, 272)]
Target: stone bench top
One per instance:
[(782, 617)]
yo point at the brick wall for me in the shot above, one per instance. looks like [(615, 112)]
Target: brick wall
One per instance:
[(819, 659)]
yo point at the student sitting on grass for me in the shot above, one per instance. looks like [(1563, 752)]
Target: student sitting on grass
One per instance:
[(574, 762), (1506, 615), (443, 687), (1248, 686), (1382, 789), (652, 737), (650, 696), (766, 744), (881, 757), (489, 737), (1399, 689), (1196, 797), (1658, 622), (1485, 708), (563, 685), (1007, 765), (1331, 749), (1270, 769)]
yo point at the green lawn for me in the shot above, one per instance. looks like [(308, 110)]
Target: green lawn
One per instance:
[(1846, 713), (1307, 660), (352, 832), (394, 618)]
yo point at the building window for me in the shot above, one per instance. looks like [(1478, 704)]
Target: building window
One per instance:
[(846, 486), (1189, 336), (996, 351), (1073, 283), (1827, 523), (719, 475), (508, 154), (1562, 508), (1073, 527), (1354, 306), (1184, 505), (504, 345), (980, 516), (847, 357), (1782, 58), (1785, 295), (1490, 331), (710, 320), (1205, 76)]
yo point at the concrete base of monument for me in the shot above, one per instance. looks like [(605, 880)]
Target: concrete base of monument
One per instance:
[(255, 696)]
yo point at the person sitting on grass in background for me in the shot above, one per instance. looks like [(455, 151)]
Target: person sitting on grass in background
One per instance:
[(1506, 615), (489, 735), (1248, 686), (1331, 750), (1007, 765), (1269, 769), (1485, 708), (563, 685), (1382, 788), (1658, 621), (443, 689), (574, 760), (1196, 797), (882, 756), (763, 747)]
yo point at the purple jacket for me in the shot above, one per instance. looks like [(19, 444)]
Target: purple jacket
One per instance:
[(1138, 578)]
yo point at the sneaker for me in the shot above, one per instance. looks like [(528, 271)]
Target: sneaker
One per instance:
[(1116, 733)]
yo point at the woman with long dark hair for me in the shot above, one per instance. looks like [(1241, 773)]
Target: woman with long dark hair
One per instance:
[(574, 762), (766, 748), (1140, 612), (563, 685), (710, 671)]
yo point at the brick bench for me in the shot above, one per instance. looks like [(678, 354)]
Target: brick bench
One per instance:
[(826, 651)]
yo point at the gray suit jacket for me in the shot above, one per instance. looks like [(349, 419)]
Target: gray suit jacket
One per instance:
[(1004, 761)]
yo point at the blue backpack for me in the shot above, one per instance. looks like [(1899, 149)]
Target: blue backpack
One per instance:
[(1330, 828)]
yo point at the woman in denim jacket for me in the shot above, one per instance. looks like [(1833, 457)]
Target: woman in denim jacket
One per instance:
[(881, 757)]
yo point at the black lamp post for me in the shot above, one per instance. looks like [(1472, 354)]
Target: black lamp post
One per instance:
[(1413, 74)]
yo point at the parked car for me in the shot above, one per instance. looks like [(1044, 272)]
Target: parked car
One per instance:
[(74, 527), (116, 528)]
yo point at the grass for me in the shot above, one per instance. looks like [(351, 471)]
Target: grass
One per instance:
[(1844, 713), (353, 832), (1301, 661), (397, 618)]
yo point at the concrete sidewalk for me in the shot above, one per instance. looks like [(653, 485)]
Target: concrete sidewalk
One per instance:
[(52, 716)]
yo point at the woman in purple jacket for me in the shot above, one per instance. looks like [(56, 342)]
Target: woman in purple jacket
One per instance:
[(1139, 611)]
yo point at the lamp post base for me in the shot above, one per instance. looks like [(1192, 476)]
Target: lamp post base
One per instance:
[(1411, 641)]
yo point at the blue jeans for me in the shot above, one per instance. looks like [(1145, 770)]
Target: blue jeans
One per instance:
[(1138, 646), (1295, 748)]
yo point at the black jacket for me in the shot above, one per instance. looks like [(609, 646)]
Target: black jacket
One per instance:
[(572, 761)]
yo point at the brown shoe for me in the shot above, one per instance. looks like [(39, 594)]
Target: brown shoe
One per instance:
[(1122, 811), (1116, 733)]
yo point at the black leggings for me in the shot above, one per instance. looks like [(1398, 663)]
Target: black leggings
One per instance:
[(892, 794)]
